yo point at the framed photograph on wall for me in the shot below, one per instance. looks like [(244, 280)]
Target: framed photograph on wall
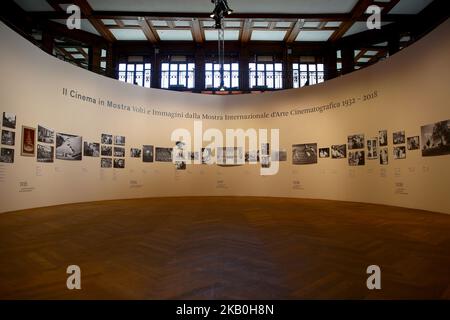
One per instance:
[(28, 148)]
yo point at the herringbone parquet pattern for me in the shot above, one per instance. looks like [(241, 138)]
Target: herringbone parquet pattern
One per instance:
[(224, 248)]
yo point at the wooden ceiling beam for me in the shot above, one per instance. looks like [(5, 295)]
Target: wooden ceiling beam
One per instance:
[(146, 27), (197, 31), (357, 11), (96, 22), (246, 33), (293, 34)]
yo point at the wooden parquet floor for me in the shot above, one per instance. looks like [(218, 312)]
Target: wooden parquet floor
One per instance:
[(224, 248)]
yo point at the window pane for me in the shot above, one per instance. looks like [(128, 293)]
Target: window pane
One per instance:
[(320, 67), (278, 67), (147, 78), (139, 67), (235, 67), (208, 79), (122, 67), (312, 67), (139, 78), (165, 67), (303, 67), (296, 79), (130, 77), (122, 76), (235, 80), (252, 66), (130, 67), (148, 66), (208, 66)]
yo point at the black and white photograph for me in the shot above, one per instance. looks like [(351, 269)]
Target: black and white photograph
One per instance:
[(252, 156), (45, 135), (119, 152), (8, 137), (179, 153), (206, 156), (436, 139), (106, 138), (355, 141), (193, 155), (7, 155), (339, 151), (265, 161), (413, 143), (372, 148), (135, 153), (9, 120), (106, 163), (304, 153), (265, 149), (384, 156), (180, 165), (68, 146), (230, 156), (45, 153), (400, 152), (107, 151), (119, 140), (119, 163), (399, 137), (356, 158), (163, 154), (147, 153), (383, 138), (91, 149), (279, 155), (324, 152)]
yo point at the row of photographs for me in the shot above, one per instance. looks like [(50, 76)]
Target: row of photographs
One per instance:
[(435, 141)]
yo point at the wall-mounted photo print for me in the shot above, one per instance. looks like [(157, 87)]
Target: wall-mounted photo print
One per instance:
[(106, 138), (355, 141), (119, 152), (180, 165), (119, 163), (251, 156), (9, 120), (45, 153), (339, 151), (384, 156), (163, 154), (91, 149), (8, 137), (45, 135), (193, 155), (265, 161), (206, 156), (400, 152), (106, 163), (413, 143), (304, 153), (28, 147), (383, 138), (399, 137), (7, 155), (68, 147), (324, 152), (178, 152), (135, 153), (356, 158), (230, 156), (279, 155), (147, 153), (106, 151), (265, 149), (436, 139), (119, 140), (372, 148)]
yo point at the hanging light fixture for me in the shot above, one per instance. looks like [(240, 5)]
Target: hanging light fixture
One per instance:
[(221, 10)]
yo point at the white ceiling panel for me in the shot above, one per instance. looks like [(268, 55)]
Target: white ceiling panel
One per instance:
[(241, 6), (128, 34), (311, 24), (182, 23), (34, 5), (333, 24), (320, 35), (130, 22), (78, 56), (109, 22), (232, 24), (230, 35), (85, 25), (360, 26), (410, 6), (268, 35), (175, 35)]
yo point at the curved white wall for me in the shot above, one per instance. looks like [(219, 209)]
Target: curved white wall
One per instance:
[(412, 89)]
